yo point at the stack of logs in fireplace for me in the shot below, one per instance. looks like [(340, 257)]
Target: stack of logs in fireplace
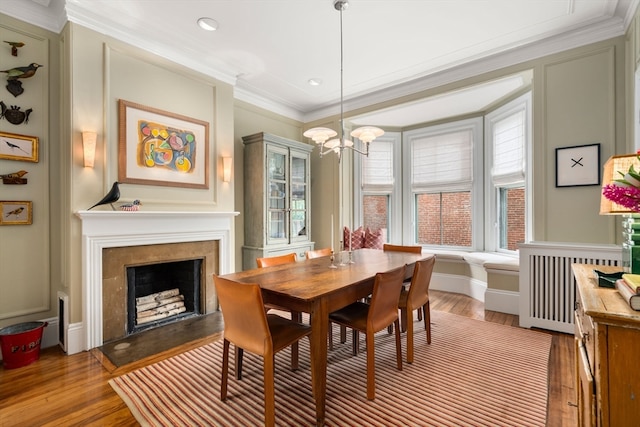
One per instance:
[(159, 306)]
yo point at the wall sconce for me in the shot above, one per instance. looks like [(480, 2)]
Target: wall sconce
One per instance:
[(89, 148), (226, 169)]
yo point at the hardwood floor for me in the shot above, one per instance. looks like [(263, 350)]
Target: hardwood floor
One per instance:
[(61, 390)]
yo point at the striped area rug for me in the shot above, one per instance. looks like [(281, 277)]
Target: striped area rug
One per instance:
[(474, 373)]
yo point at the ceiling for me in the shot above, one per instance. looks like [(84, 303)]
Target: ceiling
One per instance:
[(269, 49)]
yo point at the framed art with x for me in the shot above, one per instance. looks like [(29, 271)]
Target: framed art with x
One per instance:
[(578, 165)]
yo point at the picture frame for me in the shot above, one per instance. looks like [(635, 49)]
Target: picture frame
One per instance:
[(16, 212), (19, 147), (578, 165), (157, 147)]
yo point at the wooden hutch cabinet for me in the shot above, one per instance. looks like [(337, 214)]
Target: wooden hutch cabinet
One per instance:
[(276, 198), (607, 341)]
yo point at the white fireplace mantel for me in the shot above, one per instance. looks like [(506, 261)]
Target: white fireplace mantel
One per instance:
[(104, 229)]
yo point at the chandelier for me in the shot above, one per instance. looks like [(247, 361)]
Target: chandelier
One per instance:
[(322, 135)]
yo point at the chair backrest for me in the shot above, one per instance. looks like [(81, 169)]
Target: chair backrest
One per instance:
[(384, 300), (419, 289), (276, 260), (318, 253), (400, 248), (245, 320)]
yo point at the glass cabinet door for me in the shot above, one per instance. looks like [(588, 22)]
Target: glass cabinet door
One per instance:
[(277, 206), (299, 195)]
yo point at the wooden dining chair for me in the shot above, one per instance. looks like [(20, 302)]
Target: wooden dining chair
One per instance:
[(415, 298), (402, 248), (317, 253), (275, 260), (374, 317), (250, 328)]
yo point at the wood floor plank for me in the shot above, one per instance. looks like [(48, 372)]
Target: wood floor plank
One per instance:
[(61, 390)]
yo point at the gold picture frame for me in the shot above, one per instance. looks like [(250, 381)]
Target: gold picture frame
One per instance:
[(156, 147), (18, 147), (16, 212)]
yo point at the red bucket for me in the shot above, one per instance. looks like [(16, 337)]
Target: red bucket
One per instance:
[(20, 344)]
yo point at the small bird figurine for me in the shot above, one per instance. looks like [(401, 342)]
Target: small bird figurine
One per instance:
[(14, 177), (131, 207), (14, 47), (18, 174), (15, 212), (22, 72), (111, 197)]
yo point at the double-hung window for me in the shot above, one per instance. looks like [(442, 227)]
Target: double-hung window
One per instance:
[(443, 170), (378, 186), (507, 136)]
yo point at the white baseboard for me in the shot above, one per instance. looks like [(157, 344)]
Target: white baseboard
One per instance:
[(75, 334), (502, 301), (459, 284)]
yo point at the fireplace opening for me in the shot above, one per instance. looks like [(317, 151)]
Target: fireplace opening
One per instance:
[(162, 293)]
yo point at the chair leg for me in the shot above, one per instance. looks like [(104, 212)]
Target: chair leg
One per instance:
[(330, 336), (296, 316), (419, 314), (398, 345), (427, 320), (409, 324), (343, 334), (404, 318), (356, 342), (371, 366), (238, 362), (269, 391), (225, 371)]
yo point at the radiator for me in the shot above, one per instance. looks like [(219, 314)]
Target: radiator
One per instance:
[(547, 285)]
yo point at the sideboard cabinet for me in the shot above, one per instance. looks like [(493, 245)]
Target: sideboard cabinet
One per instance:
[(607, 342), (276, 198)]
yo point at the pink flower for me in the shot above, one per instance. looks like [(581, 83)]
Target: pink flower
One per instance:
[(623, 194)]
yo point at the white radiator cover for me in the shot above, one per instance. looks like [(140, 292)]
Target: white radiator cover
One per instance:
[(547, 285)]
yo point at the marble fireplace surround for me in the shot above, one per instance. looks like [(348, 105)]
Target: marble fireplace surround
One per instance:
[(104, 229)]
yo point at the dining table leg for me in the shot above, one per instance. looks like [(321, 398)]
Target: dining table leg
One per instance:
[(319, 330)]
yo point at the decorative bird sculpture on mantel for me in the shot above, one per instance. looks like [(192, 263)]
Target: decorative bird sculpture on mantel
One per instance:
[(111, 197)]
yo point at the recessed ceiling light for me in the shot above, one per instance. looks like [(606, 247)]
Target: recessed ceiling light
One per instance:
[(208, 24), (315, 81)]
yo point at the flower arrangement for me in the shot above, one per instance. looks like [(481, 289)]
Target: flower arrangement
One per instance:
[(625, 191)]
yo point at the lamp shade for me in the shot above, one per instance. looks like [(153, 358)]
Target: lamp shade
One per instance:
[(617, 168), (367, 134), (89, 148), (320, 135)]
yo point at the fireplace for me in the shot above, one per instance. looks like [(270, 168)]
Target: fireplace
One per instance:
[(161, 293), (112, 241)]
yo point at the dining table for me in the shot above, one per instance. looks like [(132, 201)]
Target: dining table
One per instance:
[(312, 286)]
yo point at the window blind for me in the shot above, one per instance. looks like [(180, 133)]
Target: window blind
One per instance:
[(377, 169), (442, 160), (508, 149)]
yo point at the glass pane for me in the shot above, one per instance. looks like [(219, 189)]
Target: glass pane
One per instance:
[(277, 227), (277, 168), (298, 223), (376, 211), (298, 169), (444, 219), (277, 195), (511, 217), (298, 194)]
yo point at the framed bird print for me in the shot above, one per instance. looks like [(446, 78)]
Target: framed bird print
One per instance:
[(15, 213), (18, 147), (157, 147)]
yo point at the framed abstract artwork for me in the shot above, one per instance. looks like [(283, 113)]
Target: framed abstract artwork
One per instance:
[(16, 213), (578, 165), (18, 147), (157, 147)]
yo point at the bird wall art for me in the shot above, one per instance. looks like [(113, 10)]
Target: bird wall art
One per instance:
[(14, 177), (14, 115), (110, 198), (14, 47), (14, 86)]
